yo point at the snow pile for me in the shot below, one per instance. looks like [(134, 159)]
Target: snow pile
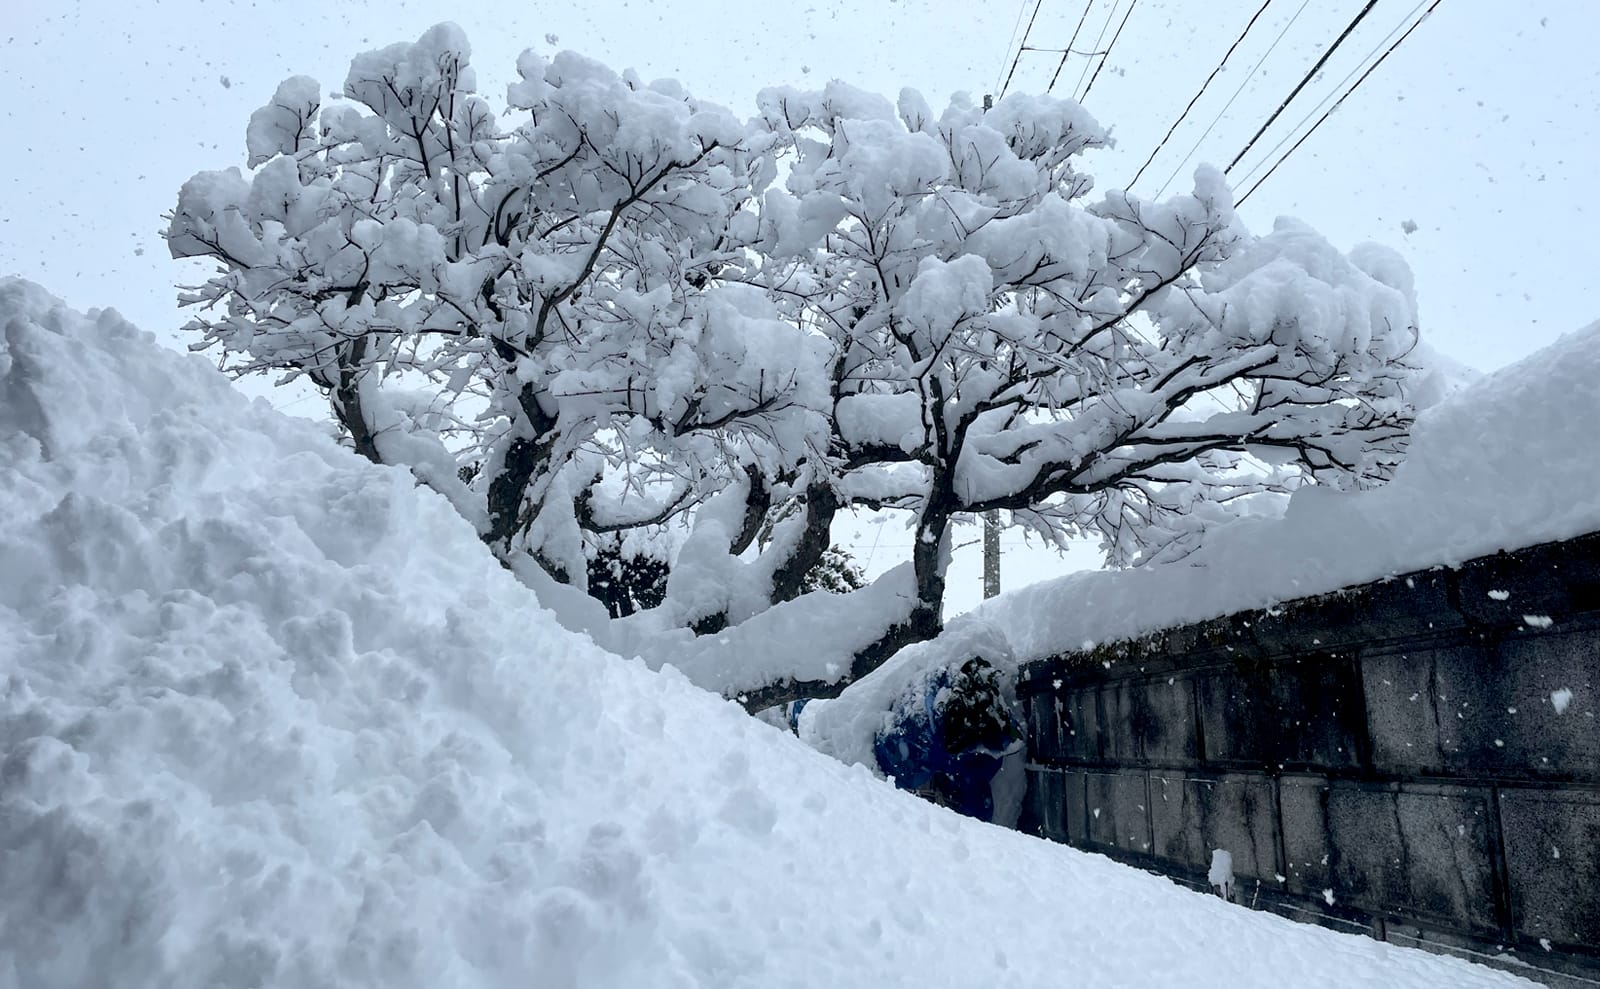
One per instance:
[(271, 716), (811, 638), (1507, 461)]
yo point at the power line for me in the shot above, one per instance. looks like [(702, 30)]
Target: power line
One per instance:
[(1068, 50), (1022, 47), (1065, 51), (874, 550), (1021, 9), (1107, 53), (1322, 104), (1201, 92), (1428, 13), (1084, 74), (1228, 105), (1302, 84)]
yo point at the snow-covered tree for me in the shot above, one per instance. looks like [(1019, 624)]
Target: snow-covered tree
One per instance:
[(1000, 342), (530, 296), (600, 311)]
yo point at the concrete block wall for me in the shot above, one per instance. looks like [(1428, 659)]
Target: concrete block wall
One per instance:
[(1418, 758)]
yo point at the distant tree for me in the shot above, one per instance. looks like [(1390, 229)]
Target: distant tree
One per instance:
[(601, 313), (835, 573)]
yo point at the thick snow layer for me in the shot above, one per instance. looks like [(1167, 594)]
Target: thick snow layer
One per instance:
[(811, 638), (1508, 461), (270, 716)]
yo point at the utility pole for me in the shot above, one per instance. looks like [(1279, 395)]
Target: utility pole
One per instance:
[(991, 553), (991, 518)]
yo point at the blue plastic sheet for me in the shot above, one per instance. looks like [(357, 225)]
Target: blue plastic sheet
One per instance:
[(925, 750)]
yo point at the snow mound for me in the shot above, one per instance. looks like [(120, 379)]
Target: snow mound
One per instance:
[(1502, 462), (811, 638), (270, 716)]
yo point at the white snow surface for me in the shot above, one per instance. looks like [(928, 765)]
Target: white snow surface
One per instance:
[(271, 716), (1505, 461), (811, 638)]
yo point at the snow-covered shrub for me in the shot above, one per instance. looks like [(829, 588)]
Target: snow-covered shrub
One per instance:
[(835, 573)]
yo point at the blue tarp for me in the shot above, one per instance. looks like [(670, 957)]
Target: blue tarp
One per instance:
[(927, 753)]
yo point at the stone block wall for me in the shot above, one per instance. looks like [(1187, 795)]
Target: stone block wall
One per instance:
[(1418, 758)]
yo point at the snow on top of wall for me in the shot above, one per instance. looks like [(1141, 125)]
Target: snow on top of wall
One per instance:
[(271, 716), (1507, 461), (1510, 461)]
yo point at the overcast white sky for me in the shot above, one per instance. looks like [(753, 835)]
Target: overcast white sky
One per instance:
[(1482, 129)]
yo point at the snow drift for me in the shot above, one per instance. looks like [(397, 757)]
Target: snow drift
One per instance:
[(272, 716), (1510, 460)]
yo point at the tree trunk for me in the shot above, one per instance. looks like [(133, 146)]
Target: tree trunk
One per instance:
[(788, 578), (524, 458), (347, 398), (928, 562), (822, 504), (757, 502), (924, 622)]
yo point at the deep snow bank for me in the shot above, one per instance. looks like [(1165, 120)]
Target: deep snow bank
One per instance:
[(1511, 460), (270, 716)]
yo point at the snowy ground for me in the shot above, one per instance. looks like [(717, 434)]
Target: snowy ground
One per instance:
[(270, 716), (1511, 460)]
